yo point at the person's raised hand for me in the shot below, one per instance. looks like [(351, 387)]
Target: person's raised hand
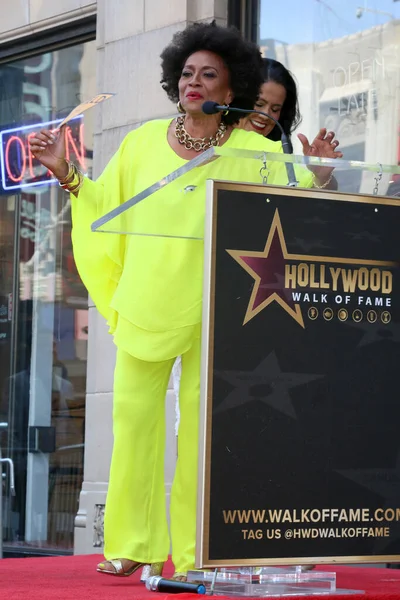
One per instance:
[(324, 145), (49, 148)]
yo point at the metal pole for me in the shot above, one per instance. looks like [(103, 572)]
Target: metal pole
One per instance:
[(12, 488), (2, 426), (1, 507)]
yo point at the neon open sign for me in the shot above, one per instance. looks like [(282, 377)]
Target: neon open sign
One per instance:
[(20, 169)]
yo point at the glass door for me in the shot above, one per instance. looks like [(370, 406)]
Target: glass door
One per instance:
[(44, 329), (10, 463), (345, 58)]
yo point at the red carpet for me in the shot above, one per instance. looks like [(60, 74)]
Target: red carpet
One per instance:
[(75, 578)]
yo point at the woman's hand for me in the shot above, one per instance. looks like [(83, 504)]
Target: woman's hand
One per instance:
[(323, 146), (49, 148)]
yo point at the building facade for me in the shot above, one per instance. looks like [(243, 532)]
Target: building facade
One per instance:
[(57, 359)]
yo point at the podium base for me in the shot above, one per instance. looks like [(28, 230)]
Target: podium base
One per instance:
[(268, 582)]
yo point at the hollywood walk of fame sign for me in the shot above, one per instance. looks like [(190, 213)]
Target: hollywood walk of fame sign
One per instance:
[(300, 403)]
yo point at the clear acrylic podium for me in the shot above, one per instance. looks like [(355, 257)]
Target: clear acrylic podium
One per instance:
[(352, 177), (268, 582)]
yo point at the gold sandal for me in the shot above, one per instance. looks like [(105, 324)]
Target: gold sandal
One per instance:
[(305, 568), (118, 569), (182, 576), (151, 570), (179, 576)]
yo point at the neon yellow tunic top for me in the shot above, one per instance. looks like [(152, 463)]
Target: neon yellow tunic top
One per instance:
[(149, 288)]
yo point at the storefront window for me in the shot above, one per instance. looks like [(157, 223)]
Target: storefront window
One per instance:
[(43, 304), (345, 56)]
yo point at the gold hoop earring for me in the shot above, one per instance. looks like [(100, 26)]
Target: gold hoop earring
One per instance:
[(179, 107), (226, 111)]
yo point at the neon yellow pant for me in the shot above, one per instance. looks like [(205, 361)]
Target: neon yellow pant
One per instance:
[(135, 518)]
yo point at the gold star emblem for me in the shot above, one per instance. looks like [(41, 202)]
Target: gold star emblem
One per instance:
[(268, 271)]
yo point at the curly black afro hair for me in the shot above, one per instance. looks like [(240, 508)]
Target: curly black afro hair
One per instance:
[(242, 58)]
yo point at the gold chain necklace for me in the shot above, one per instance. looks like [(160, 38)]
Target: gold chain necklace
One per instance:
[(197, 144)]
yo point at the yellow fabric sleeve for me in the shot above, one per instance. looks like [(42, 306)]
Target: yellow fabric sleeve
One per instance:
[(98, 256)]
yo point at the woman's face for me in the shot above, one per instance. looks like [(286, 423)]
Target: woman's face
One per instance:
[(271, 99), (204, 77)]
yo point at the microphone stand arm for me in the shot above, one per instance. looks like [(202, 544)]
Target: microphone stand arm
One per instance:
[(292, 181)]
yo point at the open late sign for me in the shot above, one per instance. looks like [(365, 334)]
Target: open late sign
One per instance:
[(20, 169)]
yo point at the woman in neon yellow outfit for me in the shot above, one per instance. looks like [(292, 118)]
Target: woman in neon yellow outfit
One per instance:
[(150, 288)]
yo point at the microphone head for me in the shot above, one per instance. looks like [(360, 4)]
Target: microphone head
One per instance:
[(152, 583), (210, 108)]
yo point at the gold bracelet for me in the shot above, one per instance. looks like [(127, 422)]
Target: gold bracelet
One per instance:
[(74, 180), (70, 175), (76, 186), (327, 182)]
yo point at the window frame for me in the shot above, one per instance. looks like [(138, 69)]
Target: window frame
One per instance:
[(244, 15), (70, 34)]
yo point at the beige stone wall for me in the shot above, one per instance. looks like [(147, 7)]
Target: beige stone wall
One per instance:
[(23, 17)]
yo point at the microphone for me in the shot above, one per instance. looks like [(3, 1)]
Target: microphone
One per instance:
[(158, 584), (211, 108)]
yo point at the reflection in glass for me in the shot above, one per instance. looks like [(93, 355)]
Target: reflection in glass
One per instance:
[(43, 331), (345, 58)]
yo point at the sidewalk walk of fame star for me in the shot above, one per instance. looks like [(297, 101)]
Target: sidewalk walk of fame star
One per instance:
[(376, 332), (386, 483), (273, 386)]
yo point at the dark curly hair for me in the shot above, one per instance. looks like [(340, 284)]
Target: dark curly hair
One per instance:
[(290, 117), (242, 58)]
